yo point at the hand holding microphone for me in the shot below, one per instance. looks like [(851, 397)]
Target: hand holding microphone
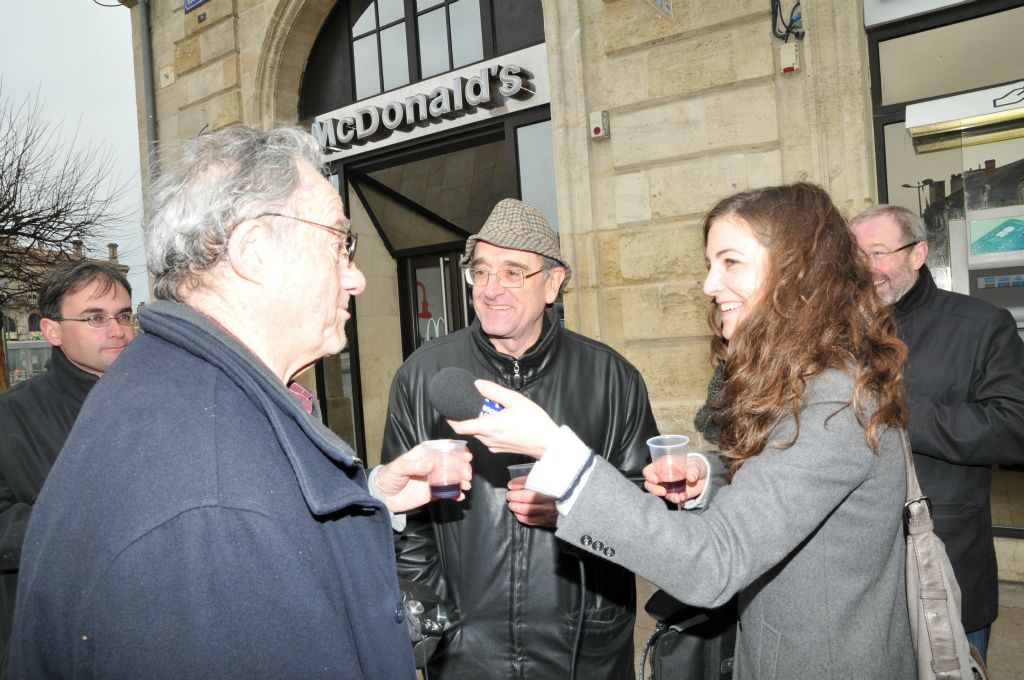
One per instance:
[(451, 391), (501, 419)]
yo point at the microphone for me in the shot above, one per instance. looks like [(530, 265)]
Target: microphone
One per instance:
[(453, 394)]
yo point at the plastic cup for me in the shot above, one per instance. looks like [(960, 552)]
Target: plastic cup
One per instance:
[(668, 453), (519, 470), (445, 480)]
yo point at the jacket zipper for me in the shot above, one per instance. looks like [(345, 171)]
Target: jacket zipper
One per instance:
[(517, 378)]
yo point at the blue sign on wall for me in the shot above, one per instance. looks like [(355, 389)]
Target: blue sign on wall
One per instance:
[(192, 4)]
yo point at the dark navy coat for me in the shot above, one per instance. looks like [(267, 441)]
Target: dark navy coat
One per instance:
[(200, 524)]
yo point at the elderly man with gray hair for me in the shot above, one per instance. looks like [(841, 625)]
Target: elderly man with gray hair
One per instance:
[(964, 381), (201, 521)]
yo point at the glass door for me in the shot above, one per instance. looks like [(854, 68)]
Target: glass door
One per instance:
[(440, 298)]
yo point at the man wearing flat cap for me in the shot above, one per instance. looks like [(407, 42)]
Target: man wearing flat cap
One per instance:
[(495, 557)]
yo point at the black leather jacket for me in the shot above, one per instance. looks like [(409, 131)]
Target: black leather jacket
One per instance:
[(964, 381), (516, 587)]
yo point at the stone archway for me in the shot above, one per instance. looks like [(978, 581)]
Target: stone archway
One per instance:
[(290, 35)]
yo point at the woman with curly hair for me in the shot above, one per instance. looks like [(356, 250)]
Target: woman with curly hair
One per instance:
[(808, 531)]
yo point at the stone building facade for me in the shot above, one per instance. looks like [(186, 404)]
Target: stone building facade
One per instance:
[(697, 108)]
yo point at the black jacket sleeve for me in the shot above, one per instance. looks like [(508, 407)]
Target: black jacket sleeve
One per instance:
[(638, 425), (416, 549), (14, 512), (986, 427)]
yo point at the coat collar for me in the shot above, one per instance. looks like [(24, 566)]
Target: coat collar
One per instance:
[(531, 364), (70, 378), (317, 455), (918, 296)]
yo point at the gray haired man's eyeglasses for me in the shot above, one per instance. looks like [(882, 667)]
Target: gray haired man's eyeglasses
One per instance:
[(876, 255), (346, 235), (102, 320)]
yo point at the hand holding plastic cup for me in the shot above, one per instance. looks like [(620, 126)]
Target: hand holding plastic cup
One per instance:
[(668, 454), (447, 455)]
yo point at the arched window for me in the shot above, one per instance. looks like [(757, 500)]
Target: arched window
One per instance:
[(367, 47), (9, 327), (33, 322)]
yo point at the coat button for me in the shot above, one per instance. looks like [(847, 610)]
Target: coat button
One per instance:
[(586, 540), (399, 612)]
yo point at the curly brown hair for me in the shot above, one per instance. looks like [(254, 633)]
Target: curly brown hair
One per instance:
[(818, 310)]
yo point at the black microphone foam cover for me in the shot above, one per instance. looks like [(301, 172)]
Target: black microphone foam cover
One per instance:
[(453, 394)]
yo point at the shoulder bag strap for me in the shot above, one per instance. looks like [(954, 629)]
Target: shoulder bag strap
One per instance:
[(932, 589)]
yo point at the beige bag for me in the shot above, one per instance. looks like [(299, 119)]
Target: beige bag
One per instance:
[(933, 595)]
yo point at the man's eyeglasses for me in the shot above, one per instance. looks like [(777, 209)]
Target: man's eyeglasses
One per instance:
[(346, 234), (876, 255), (507, 278), (102, 320)]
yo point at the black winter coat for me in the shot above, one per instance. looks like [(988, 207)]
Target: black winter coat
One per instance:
[(517, 587), (964, 381), (35, 419)]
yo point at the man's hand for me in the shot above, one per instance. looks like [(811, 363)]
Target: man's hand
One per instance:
[(402, 483), (530, 507), (522, 427), (696, 479)]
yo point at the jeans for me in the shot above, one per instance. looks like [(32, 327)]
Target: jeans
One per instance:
[(979, 638)]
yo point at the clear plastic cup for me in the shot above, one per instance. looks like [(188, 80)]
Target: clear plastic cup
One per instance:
[(445, 480), (668, 453), (519, 470)]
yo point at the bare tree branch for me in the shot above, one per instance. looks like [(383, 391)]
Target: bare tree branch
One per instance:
[(55, 195)]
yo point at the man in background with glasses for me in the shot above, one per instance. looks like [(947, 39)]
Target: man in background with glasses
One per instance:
[(521, 592), (86, 311), (964, 381), (202, 521)]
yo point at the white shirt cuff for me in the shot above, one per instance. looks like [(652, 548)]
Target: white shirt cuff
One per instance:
[(563, 469), (397, 520)]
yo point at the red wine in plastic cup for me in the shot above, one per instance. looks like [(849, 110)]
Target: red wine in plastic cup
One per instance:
[(668, 453), (444, 479)]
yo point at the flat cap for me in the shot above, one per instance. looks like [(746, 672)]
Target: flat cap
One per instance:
[(520, 226)]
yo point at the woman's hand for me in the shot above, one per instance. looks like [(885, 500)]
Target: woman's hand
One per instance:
[(521, 427), (696, 479)]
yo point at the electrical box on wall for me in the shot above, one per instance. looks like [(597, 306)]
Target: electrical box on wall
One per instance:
[(789, 57), (599, 125)]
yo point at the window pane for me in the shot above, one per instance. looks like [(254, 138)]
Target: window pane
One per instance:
[(396, 58), (361, 15), (433, 44), (916, 182), (390, 10), (427, 4), (467, 41), (367, 70), (537, 168), (949, 59), (338, 391), (517, 24)]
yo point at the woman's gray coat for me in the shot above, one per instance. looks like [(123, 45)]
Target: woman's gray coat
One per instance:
[(810, 537)]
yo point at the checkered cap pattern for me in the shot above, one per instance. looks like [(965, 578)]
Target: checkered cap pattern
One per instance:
[(518, 225)]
